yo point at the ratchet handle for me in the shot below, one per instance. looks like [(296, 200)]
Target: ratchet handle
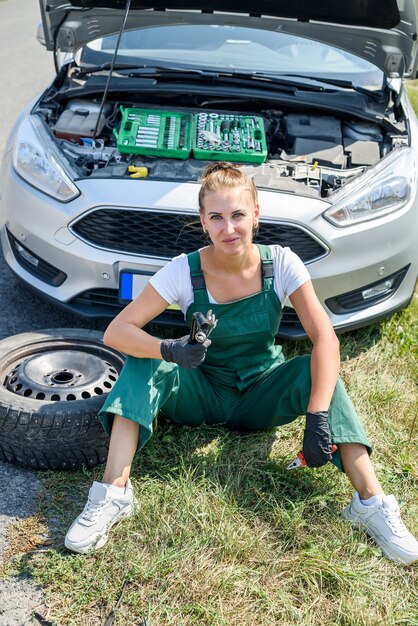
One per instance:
[(199, 329)]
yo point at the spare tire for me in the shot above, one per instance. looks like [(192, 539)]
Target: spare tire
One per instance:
[(52, 384)]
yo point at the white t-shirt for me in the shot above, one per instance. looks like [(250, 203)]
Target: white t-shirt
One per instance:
[(174, 284)]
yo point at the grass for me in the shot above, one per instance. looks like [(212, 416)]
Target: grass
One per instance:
[(224, 536), (413, 93)]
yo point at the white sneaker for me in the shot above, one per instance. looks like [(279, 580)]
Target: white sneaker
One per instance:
[(89, 531), (383, 523)]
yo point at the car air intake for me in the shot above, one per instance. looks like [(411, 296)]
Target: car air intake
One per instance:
[(164, 235), (104, 303)]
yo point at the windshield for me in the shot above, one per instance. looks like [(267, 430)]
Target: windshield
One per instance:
[(215, 47)]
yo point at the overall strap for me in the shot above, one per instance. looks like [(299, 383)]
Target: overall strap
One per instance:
[(200, 294), (267, 267)]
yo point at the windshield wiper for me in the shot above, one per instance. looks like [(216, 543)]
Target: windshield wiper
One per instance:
[(94, 69), (142, 69), (176, 74), (286, 83), (377, 95)]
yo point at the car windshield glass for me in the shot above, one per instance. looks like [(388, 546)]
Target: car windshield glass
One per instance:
[(215, 47)]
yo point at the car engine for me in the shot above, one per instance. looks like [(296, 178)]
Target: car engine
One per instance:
[(306, 153)]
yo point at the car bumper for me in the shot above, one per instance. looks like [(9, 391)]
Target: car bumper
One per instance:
[(356, 257)]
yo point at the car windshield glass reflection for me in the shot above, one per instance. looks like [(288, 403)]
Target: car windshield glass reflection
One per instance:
[(234, 48)]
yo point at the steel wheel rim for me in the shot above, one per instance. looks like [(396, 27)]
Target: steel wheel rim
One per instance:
[(61, 370)]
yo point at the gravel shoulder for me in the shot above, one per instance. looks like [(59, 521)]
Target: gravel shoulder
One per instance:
[(26, 68), (18, 596)]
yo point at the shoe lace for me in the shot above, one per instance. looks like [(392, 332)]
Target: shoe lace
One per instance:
[(92, 510), (395, 521)]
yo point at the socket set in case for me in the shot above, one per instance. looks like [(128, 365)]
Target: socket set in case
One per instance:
[(155, 133), (175, 135), (223, 137)]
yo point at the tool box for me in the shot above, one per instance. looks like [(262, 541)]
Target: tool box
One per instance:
[(222, 137), (155, 133), (175, 135)]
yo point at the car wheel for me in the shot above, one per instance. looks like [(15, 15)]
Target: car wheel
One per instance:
[(52, 384)]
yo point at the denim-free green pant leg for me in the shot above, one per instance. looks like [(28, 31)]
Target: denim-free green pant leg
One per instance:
[(281, 394), (146, 386), (142, 387)]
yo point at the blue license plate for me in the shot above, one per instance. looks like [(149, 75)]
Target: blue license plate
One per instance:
[(131, 284)]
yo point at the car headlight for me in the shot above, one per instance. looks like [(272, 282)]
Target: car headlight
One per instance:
[(381, 190), (36, 163)]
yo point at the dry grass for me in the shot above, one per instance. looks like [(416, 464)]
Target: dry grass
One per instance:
[(26, 535)]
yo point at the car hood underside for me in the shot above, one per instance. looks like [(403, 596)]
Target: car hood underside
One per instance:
[(379, 31)]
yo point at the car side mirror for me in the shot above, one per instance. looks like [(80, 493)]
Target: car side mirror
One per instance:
[(40, 34)]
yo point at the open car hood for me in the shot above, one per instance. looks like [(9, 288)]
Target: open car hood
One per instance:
[(381, 31)]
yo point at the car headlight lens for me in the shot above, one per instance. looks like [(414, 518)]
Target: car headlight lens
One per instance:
[(36, 163), (382, 190)]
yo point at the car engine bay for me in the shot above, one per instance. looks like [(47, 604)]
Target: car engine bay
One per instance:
[(311, 152)]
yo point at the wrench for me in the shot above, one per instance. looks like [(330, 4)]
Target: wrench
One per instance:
[(202, 326)]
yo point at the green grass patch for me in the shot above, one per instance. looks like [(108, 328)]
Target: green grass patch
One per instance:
[(412, 87), (223, 535)]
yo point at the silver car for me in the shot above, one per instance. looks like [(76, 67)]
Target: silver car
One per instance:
[(101, 173)]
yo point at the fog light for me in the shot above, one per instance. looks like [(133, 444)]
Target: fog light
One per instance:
[(26, 255), (379, 289), (368, 295)]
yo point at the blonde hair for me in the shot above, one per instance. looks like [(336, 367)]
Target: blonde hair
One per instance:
[(224, 175)]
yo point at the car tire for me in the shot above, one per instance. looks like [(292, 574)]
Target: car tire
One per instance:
[(52, 384)]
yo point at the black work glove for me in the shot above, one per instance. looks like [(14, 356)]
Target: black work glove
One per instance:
[(180, 351), (317, 441)]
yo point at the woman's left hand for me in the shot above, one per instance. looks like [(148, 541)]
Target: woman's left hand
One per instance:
[(317, 441)]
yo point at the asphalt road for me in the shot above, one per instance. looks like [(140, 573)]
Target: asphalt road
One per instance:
[(25, 70)]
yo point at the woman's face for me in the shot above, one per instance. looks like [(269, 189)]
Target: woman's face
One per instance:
[(229, 216)]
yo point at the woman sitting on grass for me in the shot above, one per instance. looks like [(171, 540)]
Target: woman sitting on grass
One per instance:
[(239, 377)]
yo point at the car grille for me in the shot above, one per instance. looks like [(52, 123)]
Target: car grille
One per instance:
[(105, 303), (99, 297), (165, 235)]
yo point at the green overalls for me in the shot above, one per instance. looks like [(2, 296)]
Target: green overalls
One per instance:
[(244, 381)]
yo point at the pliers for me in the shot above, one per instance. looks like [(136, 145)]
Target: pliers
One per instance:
[(300, 460)]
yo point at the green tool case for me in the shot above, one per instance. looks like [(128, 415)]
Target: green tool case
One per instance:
[(223, 137), (211, 136), (155, 133)]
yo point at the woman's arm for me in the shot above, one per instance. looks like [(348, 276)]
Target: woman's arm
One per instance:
[(325, 358), (125, 332)]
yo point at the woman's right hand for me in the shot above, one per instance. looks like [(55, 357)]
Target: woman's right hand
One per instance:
[(180, 351)]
